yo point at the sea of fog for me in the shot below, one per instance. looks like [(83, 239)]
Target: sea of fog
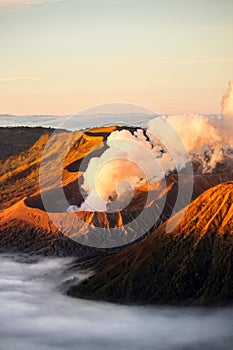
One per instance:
[(83, 121), (35, 314), (75, 122)]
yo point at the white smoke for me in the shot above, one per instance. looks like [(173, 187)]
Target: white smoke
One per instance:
[(130, 161), (227, 101), (202, 140), (227, 111), (204, 137), (168, 144)]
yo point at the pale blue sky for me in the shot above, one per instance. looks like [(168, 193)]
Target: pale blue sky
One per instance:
[(61, 56)]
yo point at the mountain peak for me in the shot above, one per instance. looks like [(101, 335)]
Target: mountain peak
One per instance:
[(212, 211), (192, 264)]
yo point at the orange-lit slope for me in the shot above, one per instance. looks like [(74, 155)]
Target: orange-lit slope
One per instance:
[(28, 230), (19, 179), (192, 264), (19, 174)]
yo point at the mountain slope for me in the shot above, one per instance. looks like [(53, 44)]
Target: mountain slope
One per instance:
[(21, 198), (192, 264), (24, 230), (21, 140)]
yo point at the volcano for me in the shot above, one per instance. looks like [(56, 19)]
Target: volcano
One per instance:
[(193, 264), (25, 225), (189, 263)]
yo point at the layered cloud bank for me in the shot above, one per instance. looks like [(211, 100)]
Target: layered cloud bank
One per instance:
[(34, 315)]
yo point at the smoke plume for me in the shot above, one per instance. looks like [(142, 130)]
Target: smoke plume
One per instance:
[(130, 161), (227, 111), (133, 159), (227, 101), (202, 139)]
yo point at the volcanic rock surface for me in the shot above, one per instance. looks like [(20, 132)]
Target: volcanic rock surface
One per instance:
[(190, 264), (25, 225)]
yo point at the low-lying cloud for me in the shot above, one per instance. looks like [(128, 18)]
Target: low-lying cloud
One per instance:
[(35, 315)]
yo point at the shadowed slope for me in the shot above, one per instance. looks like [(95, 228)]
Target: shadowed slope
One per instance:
[(14, 140)]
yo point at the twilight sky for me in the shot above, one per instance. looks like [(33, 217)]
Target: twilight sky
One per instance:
[(57, 57)]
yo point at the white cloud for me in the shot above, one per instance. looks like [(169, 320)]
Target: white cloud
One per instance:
[(6, 79), (36, 2), (212, 60), (24, 2), (6, 3)]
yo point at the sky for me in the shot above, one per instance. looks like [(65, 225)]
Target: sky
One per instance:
[(60, 57)]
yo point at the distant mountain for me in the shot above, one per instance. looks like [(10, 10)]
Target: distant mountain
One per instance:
[(192, 265), (15, 140)]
